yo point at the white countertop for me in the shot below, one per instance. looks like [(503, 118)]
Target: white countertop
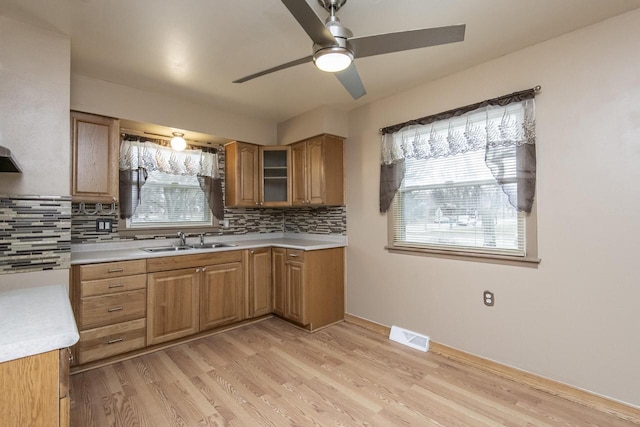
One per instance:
[(34, 321), (107, 252)]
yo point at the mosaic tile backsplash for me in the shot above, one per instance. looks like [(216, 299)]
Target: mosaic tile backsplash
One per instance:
[(35, 233), (326, 220)]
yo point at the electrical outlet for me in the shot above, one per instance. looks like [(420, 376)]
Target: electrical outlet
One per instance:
[(488, 298), (225, 223), (104, 225)]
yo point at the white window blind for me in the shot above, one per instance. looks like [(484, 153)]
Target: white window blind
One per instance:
[(454, 202), (168, 200)]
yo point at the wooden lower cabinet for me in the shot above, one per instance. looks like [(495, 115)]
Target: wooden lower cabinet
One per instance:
[(295, 293), (172, 304), (35, 390), (278, 278), (221, 295), (311, 290), (259, 283)]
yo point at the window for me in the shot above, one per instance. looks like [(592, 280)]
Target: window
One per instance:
[(168, 200), (463, 184), (163, 188), (455, 203)]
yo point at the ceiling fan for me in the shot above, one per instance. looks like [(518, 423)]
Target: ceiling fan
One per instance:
[(335, 48)]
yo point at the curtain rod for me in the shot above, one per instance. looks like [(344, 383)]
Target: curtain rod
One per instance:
[(501, 100)]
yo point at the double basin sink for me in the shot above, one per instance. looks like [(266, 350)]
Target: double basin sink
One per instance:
[(175, 248)]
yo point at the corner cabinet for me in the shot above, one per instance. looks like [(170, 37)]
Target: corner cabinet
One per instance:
[(317, 172), (259, 282), (257, 176), (309, 286), (94, 156)]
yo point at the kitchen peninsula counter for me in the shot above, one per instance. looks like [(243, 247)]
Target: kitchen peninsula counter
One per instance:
[(35, 320)]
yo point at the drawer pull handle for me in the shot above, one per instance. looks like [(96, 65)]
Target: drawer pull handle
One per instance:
[(115, 340), (112, 309), (116, 285), (115, 270), (293, 255)]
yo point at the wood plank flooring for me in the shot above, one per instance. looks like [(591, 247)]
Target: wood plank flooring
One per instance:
[(273, 374)]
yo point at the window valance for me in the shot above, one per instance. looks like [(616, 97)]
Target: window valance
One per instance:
[(503, 127)]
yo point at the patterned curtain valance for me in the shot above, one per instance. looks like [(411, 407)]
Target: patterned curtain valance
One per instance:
[(150, 156), (503, 127), (489, 126)]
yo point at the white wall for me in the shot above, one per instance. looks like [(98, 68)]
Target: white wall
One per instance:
[(575, 318), (114, 100), (34, 108), (311, 123)]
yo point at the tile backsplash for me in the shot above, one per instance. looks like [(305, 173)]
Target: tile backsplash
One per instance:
[(36, 233), (325, 220)]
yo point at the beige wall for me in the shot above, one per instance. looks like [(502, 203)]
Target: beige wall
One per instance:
[(575, 318), (34, 108), (311, 123), (110, 99)]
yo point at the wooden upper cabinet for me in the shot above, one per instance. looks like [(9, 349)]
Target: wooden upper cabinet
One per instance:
[(275, 180), (95, 149), (242, 178), (257, 175), (317, 171)]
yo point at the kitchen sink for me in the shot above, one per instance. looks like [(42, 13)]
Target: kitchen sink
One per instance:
[(175, 248), (168, 248), (213, 245)]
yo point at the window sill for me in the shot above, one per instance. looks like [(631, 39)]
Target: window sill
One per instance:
[(531, 262)]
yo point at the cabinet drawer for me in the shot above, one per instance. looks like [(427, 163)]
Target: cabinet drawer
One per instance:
[(109, 286), (110, 309), (110, 340), (295, 255), (112, 269)]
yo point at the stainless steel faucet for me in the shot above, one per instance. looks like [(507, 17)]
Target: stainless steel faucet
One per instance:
[(183, 238)]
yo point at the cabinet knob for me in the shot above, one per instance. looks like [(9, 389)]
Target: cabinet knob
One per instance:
[(198, 270), (257, 203), (204, 268)]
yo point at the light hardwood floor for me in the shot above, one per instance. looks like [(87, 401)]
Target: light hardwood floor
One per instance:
[(271, 373)]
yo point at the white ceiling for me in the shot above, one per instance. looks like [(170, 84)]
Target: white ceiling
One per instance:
[(195, 48)]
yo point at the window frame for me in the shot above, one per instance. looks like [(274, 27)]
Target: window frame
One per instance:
[(530, 258), (167, 227)]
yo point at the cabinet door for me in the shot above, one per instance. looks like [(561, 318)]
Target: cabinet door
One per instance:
[(260, 298), (295, 294), (242, 176), (94, 147), (221, 295), (275, 182), (298, 174), (172, 305), (278, 277), (315, 172)]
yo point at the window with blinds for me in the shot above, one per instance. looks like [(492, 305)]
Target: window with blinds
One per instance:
[(168, 200), (454, 203)]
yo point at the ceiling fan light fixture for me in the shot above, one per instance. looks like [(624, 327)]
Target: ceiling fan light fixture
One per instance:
[(333, 59), (177, 142)]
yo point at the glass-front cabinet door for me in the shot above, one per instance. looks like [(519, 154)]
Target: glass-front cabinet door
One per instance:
[(275, 183)]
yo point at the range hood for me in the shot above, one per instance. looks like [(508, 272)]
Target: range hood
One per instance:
[(7, 162)]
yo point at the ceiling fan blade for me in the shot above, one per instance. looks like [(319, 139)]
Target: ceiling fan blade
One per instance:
[(350, 79), (278, 68), (309, 21), (406, 40)]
